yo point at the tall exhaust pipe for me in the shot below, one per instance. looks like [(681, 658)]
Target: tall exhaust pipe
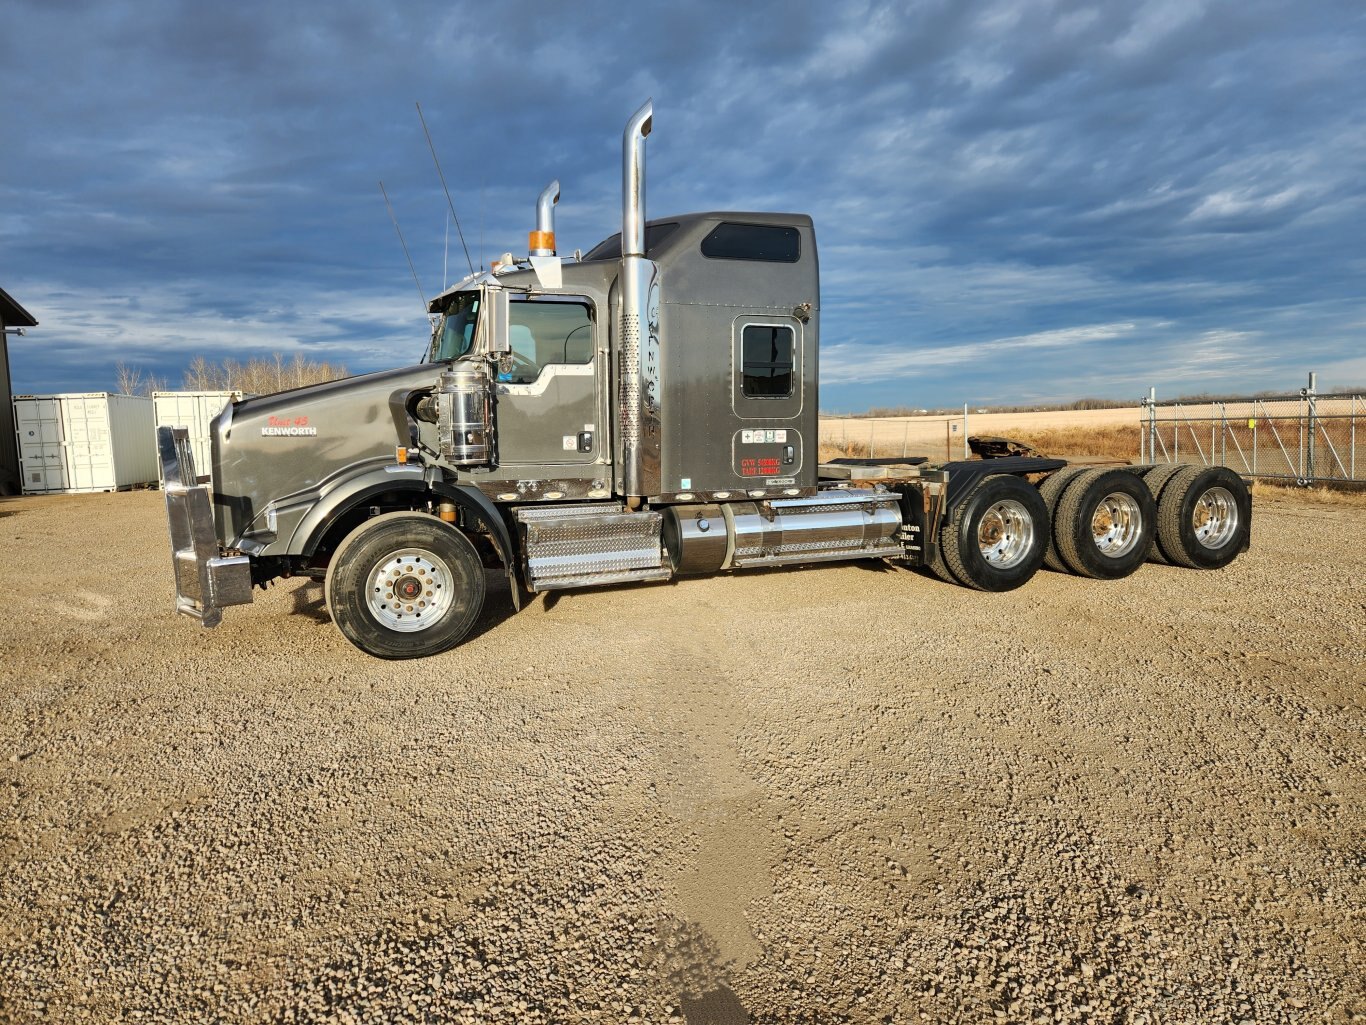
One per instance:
[(640, 363), (542, 241)]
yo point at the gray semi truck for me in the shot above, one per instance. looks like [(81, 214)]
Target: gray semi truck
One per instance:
[(645, 410)]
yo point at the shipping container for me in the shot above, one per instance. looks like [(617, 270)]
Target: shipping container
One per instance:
[(193, 410), (93, 441)]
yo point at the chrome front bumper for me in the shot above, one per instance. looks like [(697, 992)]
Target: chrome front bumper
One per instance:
[(206, 581)]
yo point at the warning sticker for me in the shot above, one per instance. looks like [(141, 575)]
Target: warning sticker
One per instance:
[(764, 437)]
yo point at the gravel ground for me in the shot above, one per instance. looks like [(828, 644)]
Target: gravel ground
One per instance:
[(840, 794)]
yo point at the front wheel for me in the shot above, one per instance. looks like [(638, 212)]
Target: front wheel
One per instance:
[(997, 537), (405, 585)]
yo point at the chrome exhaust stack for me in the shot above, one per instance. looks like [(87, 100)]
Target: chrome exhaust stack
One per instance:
[(640, 364), (542, 242)]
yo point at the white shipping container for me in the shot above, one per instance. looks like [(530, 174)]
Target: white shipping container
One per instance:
[(94, 441), (194, 410)]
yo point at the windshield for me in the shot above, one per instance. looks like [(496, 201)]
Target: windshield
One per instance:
[(455, 334)]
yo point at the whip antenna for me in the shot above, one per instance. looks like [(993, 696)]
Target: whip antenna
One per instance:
[(444, 189), (390, 208)]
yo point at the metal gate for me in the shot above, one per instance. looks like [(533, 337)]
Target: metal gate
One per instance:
[(1305, 438)]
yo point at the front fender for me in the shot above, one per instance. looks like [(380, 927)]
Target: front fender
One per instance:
[(409, 480)]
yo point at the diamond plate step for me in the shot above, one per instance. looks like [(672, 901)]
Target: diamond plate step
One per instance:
[(587, 545)]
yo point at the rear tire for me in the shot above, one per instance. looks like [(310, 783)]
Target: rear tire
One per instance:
[(1157, 480), (997, 537), (1051, 491), (1105, 524), (405, 585), (1204, 517)]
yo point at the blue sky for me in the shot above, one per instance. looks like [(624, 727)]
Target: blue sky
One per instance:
[(1014, 201)]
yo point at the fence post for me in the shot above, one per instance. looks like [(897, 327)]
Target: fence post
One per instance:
[(871, 427), (1152, 424), (1312, 419), (966, 453), (905, 439), (1142, 432), (1254, 437), (1212, 456), (1223, 433)]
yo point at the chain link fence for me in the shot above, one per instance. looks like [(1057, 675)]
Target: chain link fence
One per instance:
[(941, 437), (1306, 438)]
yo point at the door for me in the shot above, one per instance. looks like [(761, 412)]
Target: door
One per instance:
[(547, 392), (768, 397), (41, 455), (89, 452)]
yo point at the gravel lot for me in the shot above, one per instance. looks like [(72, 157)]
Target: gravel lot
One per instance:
[(841, 794)]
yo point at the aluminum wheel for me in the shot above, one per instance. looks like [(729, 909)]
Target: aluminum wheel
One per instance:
[(1006, 534), (409, 590), (1117, 524), (1215, 518)]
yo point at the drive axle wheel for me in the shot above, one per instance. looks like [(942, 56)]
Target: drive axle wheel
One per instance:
[(997, 537), (1157, 480), (405, 585), (1051, 490), (1204, 517), (1105, 524)]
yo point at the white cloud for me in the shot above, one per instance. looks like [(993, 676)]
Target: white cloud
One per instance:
[(856, 362)]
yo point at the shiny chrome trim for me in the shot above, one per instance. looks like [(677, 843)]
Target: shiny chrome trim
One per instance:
[(548, 373), (545, 214), (206, 581), (633, 180), (639, 369)]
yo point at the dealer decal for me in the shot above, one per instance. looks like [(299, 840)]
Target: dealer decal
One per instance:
[(288, 427)]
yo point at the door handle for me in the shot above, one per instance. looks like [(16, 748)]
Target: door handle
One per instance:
[(789, 454), (585, 441)]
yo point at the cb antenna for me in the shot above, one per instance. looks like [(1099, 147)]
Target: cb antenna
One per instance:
[(444, 189), (390, 208)]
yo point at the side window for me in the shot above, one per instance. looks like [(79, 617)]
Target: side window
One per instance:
[(766, 361), (543, 332), (765, 243)]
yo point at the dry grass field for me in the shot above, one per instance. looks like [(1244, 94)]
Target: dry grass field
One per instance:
[(849, 794)]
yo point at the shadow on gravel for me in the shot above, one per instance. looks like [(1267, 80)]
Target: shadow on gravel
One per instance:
[(310, 602), (719, 1007), (553, 598)]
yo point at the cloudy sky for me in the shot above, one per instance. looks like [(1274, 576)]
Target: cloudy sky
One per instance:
[(1014, 201)]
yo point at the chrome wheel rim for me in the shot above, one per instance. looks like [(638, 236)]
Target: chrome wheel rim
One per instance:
[(1215, 518), (1006, 534), (409, 590), (1117, 524)]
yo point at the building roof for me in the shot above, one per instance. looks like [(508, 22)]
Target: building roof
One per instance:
[(14, 315)]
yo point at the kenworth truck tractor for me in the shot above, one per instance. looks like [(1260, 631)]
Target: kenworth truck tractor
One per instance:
[(644, 411)]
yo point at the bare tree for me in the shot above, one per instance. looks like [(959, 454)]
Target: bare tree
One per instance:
[(128, 379), (260, 376)]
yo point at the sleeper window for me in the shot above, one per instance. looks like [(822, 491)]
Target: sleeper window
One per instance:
[(766, 361)]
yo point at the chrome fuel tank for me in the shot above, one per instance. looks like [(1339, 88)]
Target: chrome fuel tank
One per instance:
[(844, 523)]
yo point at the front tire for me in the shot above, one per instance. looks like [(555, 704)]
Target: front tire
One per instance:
[(405, 585), (997, 537)]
